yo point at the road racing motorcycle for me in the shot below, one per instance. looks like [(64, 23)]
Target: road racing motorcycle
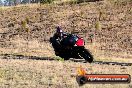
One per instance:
[(71, 46)]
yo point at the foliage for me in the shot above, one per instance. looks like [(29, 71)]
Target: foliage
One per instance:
[(27, 20), (59, 58), (98, 25), (46, 1), (24, 23), (1, 3)]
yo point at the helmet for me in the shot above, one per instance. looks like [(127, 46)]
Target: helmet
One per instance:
[(58, 29)]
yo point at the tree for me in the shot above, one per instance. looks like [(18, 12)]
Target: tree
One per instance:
[(46, 1), (11, 2), (16, 2), (1, 3), (25, 1), (35, 1), (8, 2)]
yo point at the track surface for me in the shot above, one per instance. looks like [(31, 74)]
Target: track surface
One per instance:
[(10, 56)]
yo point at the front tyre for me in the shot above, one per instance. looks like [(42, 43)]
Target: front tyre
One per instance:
[(86, 55)]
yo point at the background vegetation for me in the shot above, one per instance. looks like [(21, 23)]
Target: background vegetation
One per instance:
[(27, 58)]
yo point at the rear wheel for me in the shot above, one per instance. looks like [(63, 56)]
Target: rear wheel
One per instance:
[(86, 55)]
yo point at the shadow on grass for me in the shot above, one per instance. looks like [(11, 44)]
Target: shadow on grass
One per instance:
[(12, 56)]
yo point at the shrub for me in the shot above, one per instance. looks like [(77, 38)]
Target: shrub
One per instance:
[(98, 25), (81, 1), (46, 1), (59, 58), (23, 23), (27, 20)]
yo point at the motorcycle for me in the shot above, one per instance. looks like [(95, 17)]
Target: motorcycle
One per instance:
[(71, 47)]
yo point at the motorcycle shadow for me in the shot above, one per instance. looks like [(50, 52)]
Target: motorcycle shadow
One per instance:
[(12, 56)]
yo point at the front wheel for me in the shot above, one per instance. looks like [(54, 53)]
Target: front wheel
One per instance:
[(86, 55)]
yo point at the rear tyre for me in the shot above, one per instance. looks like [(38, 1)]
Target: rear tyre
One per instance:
[(86, 55)]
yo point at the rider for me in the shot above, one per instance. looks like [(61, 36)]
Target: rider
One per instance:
[(60, 35), (63, 38)]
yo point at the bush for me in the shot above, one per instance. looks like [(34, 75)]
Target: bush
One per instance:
[(23, 23), (98, 25), (46, 1), (58, 58), (81, 1)]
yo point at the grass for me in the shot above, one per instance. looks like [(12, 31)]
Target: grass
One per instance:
[(59, 58), (29, 73), (22, 5), (37, 73), (113, 59)]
